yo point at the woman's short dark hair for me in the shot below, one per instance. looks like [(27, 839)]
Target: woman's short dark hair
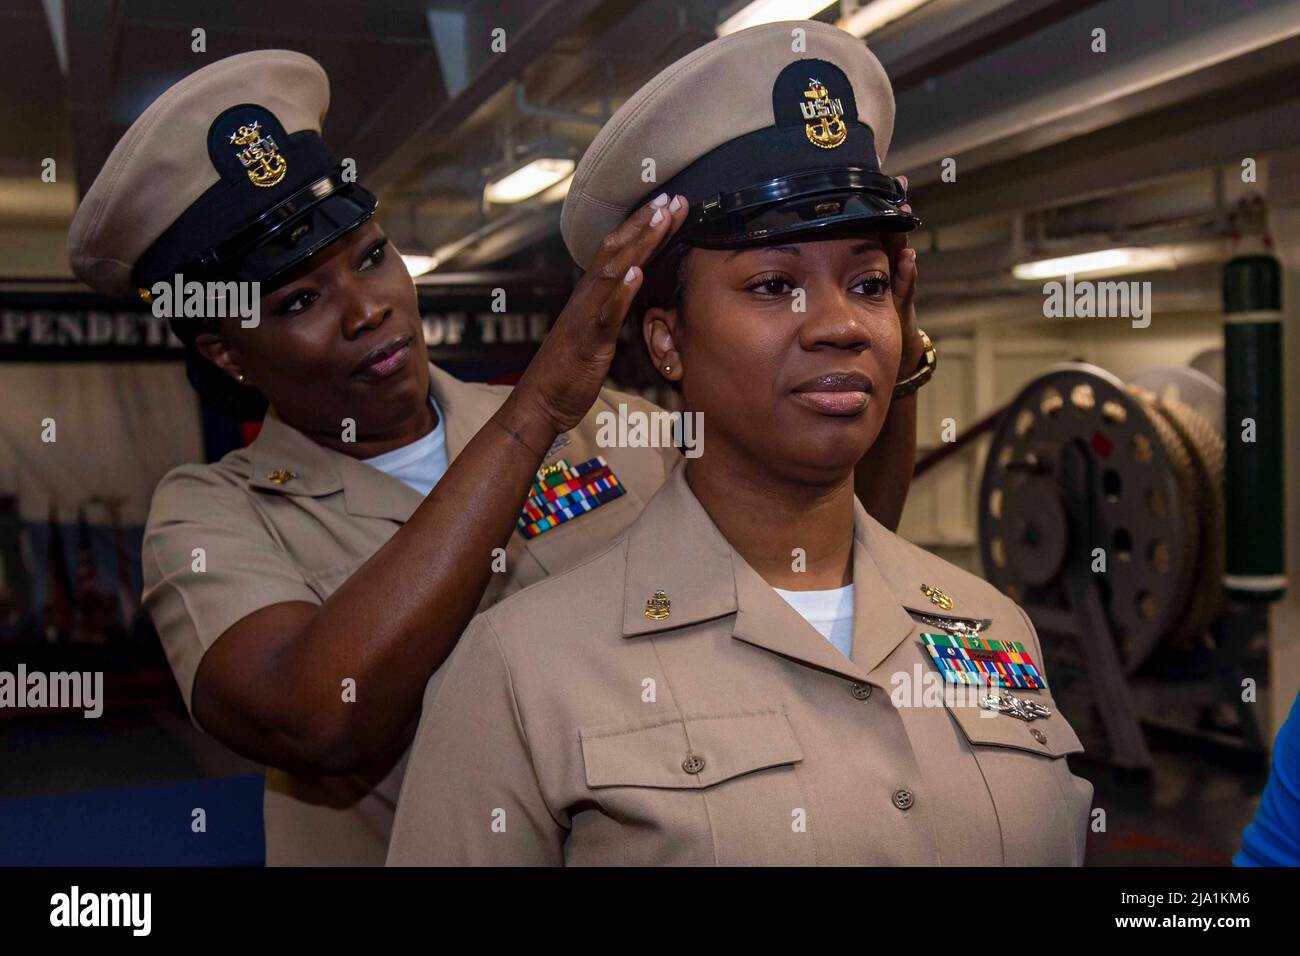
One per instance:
[(664, 287), (665, 281)]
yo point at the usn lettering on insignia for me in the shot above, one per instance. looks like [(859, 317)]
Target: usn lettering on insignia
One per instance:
[(260, 155), (828, 130)]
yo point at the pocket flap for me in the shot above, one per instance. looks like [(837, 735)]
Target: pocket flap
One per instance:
[(988, 727), (656, 754)]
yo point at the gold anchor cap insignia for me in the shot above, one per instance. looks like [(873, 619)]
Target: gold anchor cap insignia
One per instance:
[(260, 156), (657, 608), (937, 597), (827, 129), (280, 476)]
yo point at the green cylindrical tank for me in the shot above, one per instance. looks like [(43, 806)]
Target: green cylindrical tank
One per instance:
[(1253, 429)]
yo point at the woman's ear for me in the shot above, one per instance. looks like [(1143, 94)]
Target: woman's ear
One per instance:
[(659, 327), (213, 348)]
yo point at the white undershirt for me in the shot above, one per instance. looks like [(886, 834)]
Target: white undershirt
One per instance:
[(421, 463), (830, 612)]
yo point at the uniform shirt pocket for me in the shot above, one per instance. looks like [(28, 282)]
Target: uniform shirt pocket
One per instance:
[(1041, 808), (690, 754), (1051, 736), (695, 790)]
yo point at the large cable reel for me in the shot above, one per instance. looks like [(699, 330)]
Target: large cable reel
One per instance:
[(1085, 472)]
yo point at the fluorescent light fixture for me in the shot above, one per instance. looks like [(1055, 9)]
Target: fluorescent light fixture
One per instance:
[(528, 180), (1111, 261), (771, 11), (419, 265), (557, 192), (873, 15)]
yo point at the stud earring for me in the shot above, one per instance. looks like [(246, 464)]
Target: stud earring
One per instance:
[(240, 378), (668, 368)]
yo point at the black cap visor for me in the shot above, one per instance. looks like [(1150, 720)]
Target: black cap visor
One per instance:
[(290, 232), (801, 205)]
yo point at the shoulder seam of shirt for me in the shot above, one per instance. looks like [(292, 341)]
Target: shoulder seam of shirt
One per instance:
[(519, 721), (165, 581), (266, 526)]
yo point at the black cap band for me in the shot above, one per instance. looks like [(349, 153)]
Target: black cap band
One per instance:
[(288, 233), (799, 205), (749, 191)]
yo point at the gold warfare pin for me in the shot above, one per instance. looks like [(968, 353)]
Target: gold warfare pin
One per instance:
[(937, 597)]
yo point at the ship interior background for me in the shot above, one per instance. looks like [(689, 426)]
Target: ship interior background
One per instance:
[(1169, 159)]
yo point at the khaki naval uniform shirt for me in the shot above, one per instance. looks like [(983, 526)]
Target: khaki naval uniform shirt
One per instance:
[(567, 728), (265, 542)]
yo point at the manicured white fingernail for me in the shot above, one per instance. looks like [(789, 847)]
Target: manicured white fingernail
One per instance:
[(631, 276), (657, 218), (659, 200), (676, 204)]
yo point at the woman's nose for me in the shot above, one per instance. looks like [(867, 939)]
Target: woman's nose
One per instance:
[(363, 313), (832, 319)]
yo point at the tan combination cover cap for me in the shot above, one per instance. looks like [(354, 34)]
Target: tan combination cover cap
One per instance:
[(800, 102), (179, 174)]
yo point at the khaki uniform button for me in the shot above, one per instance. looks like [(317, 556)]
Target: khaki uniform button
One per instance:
[(1038, 735), (903, 799), (693, 764), (860, 691)]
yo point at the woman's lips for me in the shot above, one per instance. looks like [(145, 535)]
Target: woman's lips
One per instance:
[(386, 365), (835, 393), (833, 403)]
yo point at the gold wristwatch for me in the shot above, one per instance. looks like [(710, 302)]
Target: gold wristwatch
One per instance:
[(929, 359)]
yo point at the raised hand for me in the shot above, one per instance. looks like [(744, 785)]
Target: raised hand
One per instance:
[(566, 375)]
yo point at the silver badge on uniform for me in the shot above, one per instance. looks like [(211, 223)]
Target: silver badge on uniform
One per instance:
[(1005, 702)]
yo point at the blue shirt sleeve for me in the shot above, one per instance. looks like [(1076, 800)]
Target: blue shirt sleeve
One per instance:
[(1273, 837)]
